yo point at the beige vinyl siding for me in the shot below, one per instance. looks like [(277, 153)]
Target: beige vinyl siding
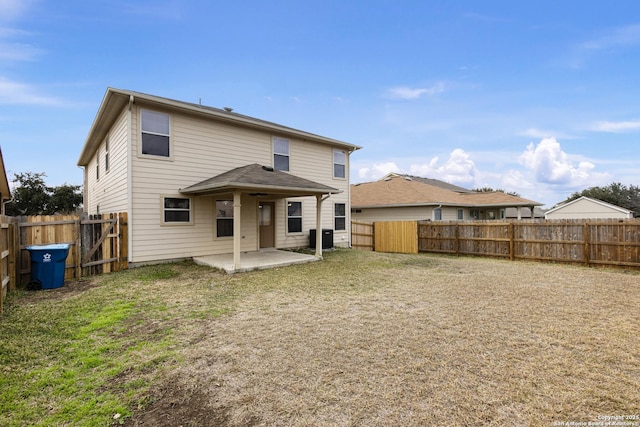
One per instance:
[(587, 209), (200, 150), (407, 213), (110, 191)]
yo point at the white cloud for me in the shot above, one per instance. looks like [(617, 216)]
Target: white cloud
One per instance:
[(377, 171), (551, 165), (12, 92), (616, 127), (458, 169), (404, 92), (622, 36)]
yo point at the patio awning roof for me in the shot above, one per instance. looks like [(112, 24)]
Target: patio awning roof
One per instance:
[(259, 180)]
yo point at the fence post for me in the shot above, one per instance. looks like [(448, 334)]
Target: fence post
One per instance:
[(457, 234), (587, 237), (511, 243)]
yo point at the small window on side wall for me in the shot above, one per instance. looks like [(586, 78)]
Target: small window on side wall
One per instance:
[(177, 210), (155, 133), (294, 217), (340, 216), (281, 154), (437, 214), (460, 214), (339, 164)]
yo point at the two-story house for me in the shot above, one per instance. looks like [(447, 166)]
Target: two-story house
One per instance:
[(197, 180)]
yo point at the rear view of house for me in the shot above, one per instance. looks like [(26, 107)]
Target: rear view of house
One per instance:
[(198, 180)]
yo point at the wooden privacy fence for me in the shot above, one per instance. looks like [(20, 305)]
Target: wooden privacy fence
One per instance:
[(589, 242), (362, 235), (8, 239), (97, 243)]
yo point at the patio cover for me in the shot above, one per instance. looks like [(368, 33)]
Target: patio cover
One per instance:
[(258, 180)]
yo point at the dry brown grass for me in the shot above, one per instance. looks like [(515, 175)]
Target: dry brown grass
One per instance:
[(380, 339)]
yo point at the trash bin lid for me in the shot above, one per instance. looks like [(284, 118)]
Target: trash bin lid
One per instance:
[(51, 247)]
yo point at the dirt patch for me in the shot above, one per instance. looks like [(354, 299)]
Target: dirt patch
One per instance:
[(70, 288), (412, 341)]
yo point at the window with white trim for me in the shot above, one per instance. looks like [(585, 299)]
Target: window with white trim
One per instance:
[(340, 216), (460, 214), (339, 164), (280, 154), (177, 210), (437, 214), (155, 133), (224, 218), (294, 217), (98, 166)]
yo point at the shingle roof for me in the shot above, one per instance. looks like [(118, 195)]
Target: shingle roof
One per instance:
[(259, 179), (404, 191)]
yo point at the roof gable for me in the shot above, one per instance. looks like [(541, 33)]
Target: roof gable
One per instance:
[(589, 200)]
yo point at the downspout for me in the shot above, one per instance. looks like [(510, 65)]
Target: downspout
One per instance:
[(129, 179)]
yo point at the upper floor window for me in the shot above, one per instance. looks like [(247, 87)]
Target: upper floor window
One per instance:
[(339, 164), (340, 216), (281, 154), (294, 217), (224, 218), (176, 210), (98, 167), (155, 133)]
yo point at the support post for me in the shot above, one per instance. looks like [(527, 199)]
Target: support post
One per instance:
[(237, 238), (319, 226)]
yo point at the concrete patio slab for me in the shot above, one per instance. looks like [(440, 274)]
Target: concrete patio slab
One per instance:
[(264, 258)]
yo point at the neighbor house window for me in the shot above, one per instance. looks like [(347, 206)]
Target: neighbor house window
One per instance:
[(475, 214), (340, 216), (294, 217), (502, 213), (224, 218), (437, 214), (177, 210), (155, 133), (339, 164), (460, 214), (281, 154), (97, 167)]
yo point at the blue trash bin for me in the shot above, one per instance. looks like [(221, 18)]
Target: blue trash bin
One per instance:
[(48, 264)]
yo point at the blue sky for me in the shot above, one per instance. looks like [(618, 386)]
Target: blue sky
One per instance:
[(540, 98)]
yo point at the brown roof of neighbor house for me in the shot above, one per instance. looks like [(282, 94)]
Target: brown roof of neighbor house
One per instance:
[(5, 191), (260, 180), (405, 191), (432, 181)]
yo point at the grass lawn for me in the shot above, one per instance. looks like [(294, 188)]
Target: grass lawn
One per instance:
[(359, 339)]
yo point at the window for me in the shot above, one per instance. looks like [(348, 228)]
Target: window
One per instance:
[(340, 216), (176, 210), (281, 154), (106, 154), (437, 214), (224, 218), (98, 167), (460, 214), (339, 164), (155, 133), (502, 214), (475, 214), (294, 217)]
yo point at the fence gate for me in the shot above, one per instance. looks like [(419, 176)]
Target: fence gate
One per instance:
[(97, 243), (104, 244)]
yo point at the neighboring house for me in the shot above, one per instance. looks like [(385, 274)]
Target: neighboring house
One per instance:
[(403, 198), (588, 208), (198, 180), (525, 213), (5, 191)]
